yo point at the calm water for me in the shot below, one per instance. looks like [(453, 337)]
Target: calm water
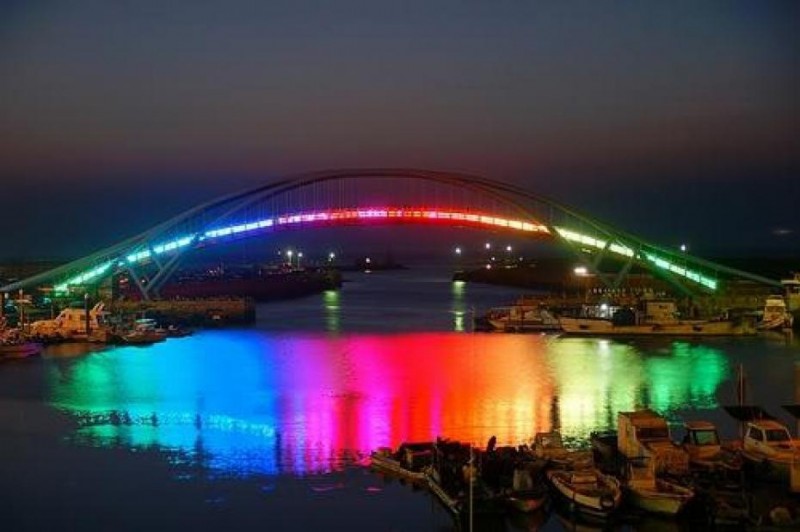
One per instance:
[(268, 427)]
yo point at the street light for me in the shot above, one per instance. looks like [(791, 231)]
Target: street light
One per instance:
[(289, 256), (299, 256)]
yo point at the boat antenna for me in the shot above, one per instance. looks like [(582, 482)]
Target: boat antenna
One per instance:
[(471, 476)]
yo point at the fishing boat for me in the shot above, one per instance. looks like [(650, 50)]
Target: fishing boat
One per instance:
[(408, 462), (644, 435), (549, 446), (74, 324), (525, 315), (515, 474), (605, 451), (707, 454), (19, 349), (651, 317), (587, 492), (653, 494), (769, 451), (14, 345), (143, 332), (775, 316)]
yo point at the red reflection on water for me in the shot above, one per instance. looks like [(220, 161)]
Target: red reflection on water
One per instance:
[(362, 392)]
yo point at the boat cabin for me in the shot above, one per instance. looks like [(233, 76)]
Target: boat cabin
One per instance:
[(72, 322), (767, 433), (644, 434), (701, 441), (791, 291)]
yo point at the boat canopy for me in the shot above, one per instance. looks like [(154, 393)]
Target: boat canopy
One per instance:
[(747, 412)]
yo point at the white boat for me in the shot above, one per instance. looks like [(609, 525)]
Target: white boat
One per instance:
[(769, 450), (587, 491), (525, 315), (652, 494), (71, 324), (776, 315), (652, 317), (145, 331)]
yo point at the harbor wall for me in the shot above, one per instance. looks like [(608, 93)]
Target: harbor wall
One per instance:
[(197, 312)]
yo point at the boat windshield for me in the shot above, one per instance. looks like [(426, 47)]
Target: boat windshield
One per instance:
[(653, 433), (777, 435), (705, 437)]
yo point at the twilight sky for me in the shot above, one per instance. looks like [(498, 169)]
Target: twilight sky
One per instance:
[(676, 121)]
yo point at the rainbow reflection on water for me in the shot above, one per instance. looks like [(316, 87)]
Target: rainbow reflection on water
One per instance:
[(246, 402)]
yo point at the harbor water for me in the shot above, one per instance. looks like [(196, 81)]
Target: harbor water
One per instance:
[(270, 426)]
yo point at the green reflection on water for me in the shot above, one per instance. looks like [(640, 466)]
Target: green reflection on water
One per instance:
[(330, 300), (597, 378)]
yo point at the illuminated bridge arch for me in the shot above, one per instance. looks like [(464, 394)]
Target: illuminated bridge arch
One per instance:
[(359, 196)]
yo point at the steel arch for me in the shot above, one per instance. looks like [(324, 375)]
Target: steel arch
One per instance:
[(166, 243)]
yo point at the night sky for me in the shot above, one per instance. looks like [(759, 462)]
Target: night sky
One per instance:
[(676, 121)]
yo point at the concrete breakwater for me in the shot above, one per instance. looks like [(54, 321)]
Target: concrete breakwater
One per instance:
[(226, 300), (197, 312)]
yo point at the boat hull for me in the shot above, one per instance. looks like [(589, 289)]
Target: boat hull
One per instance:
[(385, 462), (664, 498), (21, 350), (768, 468), (603, 327), (593, 495)]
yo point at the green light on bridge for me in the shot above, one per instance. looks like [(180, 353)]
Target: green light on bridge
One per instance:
[(625, 251)]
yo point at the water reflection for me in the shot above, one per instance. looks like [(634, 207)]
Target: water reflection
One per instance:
[(251, 402)]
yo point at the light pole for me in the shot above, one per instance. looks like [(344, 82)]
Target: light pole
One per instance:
[(289, 254)]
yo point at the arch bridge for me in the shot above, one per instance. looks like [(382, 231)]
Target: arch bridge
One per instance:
[(384, 195)]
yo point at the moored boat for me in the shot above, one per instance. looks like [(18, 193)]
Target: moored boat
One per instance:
[(706, 452), (652, 317), (14, 345), (644, 434), (769, 451), (525, 315), (74, 324), (652, 494), (144, 331), (21, 349), (408, 462), (775, 315), (588, 492)]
